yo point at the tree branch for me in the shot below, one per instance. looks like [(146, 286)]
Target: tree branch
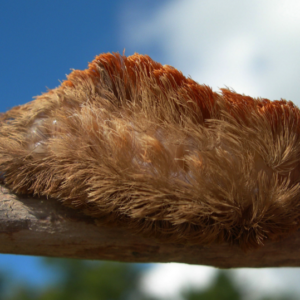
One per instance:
[(40, 226)]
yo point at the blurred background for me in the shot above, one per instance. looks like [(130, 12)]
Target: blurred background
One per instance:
[(250, 46)]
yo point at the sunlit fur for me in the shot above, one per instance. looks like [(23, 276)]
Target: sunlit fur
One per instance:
[(131, 142)]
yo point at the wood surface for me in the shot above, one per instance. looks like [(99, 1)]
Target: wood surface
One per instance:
[(40, 226)]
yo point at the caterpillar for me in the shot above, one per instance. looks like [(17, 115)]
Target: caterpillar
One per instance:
[(133, 142)]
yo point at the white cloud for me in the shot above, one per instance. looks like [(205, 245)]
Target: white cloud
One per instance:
[(167, 280), (251, 46), (268, 281)]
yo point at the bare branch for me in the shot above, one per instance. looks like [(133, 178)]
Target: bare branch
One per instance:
[(39, 226)]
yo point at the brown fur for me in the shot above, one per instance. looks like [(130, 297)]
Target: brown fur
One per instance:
[(131, 141)]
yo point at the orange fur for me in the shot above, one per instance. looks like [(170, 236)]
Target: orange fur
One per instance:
[(136, 143)]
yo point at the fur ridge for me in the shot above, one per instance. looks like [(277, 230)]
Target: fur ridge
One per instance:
[(133, 142)]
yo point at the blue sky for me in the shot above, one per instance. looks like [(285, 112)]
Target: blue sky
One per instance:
[(250, 46), (43, 40), (40, 42)]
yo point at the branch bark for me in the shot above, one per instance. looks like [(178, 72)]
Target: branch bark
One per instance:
[(40, 226)]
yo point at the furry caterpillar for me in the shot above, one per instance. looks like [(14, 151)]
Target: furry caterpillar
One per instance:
[(136, 143)]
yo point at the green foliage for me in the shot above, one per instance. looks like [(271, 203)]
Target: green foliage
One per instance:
[(223, 288), (93, 280), (89, 280)]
